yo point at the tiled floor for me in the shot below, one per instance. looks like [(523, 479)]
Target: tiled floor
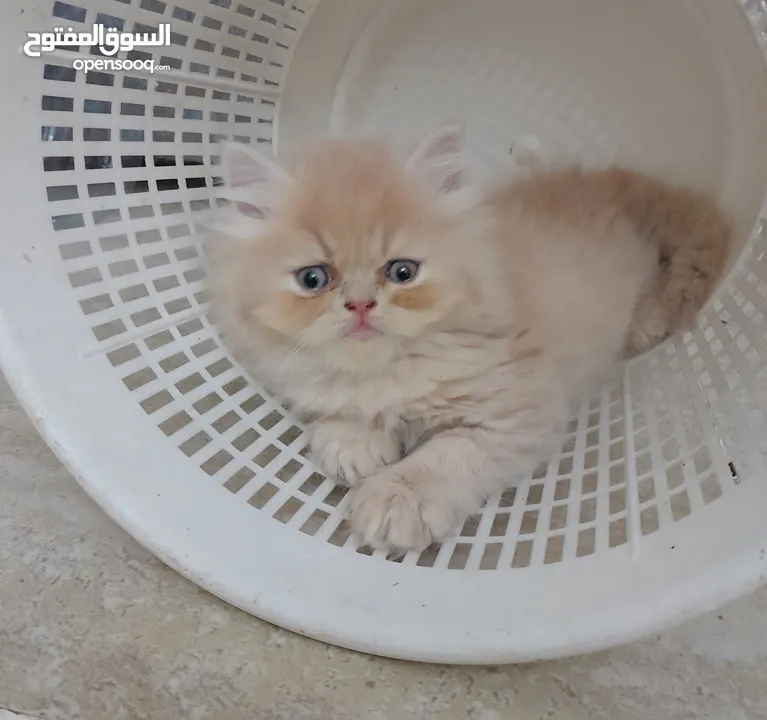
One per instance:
[(93, 627)]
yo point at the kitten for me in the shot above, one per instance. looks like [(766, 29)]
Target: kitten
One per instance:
[(387, 301)]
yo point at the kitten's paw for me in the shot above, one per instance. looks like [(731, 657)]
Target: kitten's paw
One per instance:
[(389, 512), (648, 329), (348, 453)]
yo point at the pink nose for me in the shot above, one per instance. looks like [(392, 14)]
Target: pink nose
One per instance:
[(360, 306)]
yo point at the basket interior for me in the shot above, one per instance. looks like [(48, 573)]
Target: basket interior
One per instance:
[(130, 160)]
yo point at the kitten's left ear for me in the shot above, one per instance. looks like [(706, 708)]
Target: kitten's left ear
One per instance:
[(440, 160), (251, 178)]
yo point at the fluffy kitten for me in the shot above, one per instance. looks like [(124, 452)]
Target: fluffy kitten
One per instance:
[(384, 301)]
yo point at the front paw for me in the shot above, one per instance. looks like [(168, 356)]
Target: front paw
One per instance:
[(348, 453), (649, 328), (390, 512)]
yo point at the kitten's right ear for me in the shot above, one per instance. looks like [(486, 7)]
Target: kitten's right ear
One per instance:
[(440, 160), (251, 179)]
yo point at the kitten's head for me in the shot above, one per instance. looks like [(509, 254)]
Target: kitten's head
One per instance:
[(353, 253)]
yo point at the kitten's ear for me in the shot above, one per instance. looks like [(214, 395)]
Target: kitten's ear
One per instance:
[(251, 178), (440, 160)]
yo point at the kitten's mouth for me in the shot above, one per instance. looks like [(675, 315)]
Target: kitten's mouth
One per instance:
[(362, 330)]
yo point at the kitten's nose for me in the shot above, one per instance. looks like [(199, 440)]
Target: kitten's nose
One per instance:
[(360, 306)]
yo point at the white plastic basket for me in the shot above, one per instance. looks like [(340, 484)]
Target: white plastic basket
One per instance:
[(653, 510)]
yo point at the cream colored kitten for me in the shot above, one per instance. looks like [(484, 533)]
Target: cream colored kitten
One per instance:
[(383, 301)]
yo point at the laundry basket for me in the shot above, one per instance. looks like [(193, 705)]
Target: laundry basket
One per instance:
[(654, 510)]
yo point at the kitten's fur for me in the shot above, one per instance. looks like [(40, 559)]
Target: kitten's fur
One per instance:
[(524, 299)]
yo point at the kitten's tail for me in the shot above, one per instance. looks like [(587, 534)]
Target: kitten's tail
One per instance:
[(694, 241)]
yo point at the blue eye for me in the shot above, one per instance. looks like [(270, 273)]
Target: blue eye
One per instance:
[(402, 271), (313, 278)]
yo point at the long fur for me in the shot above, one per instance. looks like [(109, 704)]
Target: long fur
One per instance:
[(526, 298)]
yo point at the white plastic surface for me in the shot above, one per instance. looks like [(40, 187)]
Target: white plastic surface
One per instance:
[(654, 508)]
